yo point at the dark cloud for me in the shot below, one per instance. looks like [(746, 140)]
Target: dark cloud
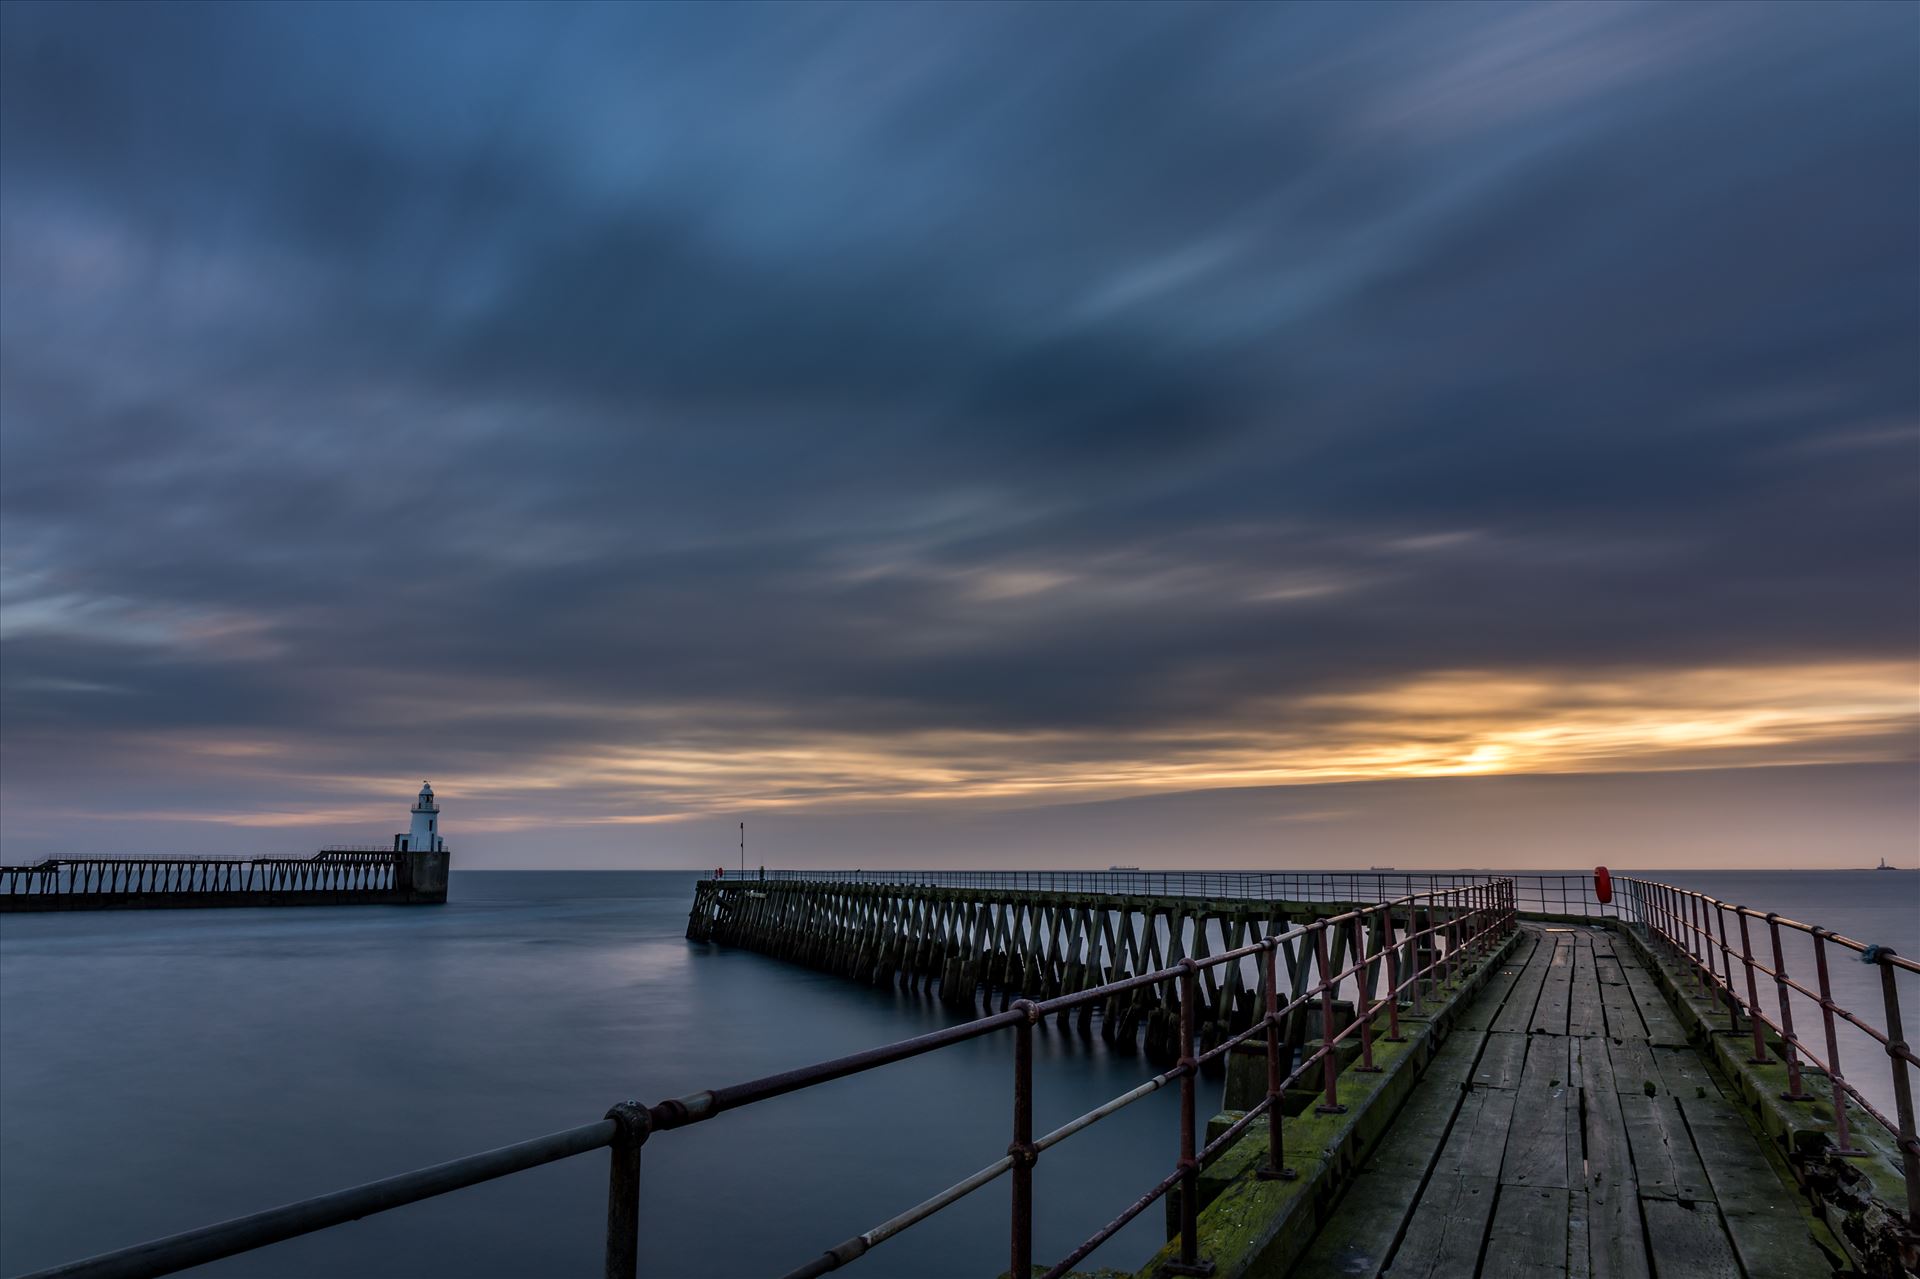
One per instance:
[(547, 380)]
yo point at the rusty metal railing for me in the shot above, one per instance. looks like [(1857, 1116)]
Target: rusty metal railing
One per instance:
[(1547, 893), (1713, 943), (1405, 952)]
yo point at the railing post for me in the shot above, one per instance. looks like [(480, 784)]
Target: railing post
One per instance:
[(1754, 1021), (1021, 1149), (623, 1189), (1276, 1166), (1363, 998), (1902, 1086), (1329, 1069), (1794, 1091), (1419, 973), (1726, 963), (1391, 951), (1697, 946), (1190, 1262), (1836, 1078)]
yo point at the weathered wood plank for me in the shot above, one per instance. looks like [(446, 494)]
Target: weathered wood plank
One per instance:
[(1556, 989), (1486, 1007), (1419, 1129), (1444, 1235), (1358, 1239), (1764, 1216), (1617, 1004), (1478, 1140), (1501, 1061), (1529, 1235), (1608, 1158), (1664, 1161), (1591, 1063), (1634, 1067), (1663, 1028), (1544, 1120), (1616, 1247), (1685, 1075), (1615, 1239), (1585, 1016), (1516, 1015), (1579, 1236), (1692, 1242)]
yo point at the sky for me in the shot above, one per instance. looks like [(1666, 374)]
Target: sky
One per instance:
[(973, 434)]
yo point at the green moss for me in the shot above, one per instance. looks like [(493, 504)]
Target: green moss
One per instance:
[(1258, 1228)]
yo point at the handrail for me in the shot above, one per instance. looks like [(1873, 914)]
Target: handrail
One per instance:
[(1544, 893), (331, 869), (1443, 928), (1694, 930)]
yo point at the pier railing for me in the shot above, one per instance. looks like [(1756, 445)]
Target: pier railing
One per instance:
[(1405, 953), (330, 877), (1548, 893), (331, 870), (1731, 953)]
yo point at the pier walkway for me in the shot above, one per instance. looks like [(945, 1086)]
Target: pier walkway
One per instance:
[(1568, 1127), (1474, 1079)]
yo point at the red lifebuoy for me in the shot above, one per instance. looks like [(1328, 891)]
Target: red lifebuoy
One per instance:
[(1602, 885)]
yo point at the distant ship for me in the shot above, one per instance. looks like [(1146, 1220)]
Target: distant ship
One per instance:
[(1884, 866), (1123, 868)]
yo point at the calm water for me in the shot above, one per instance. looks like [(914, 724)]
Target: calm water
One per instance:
[(161, 1070)]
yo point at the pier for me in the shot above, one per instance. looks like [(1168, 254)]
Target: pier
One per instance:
[(331, 877), (412, 871), (1470, 1077)]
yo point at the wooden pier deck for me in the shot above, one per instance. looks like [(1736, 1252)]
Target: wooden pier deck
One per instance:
[(1568, 1128)]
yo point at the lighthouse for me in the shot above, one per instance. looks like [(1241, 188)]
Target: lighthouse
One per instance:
[(424, 837)]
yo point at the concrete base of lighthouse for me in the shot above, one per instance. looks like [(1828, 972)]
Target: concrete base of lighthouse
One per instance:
[(421, 878)]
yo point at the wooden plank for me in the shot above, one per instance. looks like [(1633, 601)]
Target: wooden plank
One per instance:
[(1486, 1006), (1357, 1240), (1607, 1157), (1737, 1166), (1616, 1246), (1622, 1012), (1585, 1015), (1764, 1216), (1634, 1067), (1477, 1141), (1445, 1232), (1529, 1235), (1591, 1063), (1772, 1246), (1664, 1162), (1579, 1236), (1501, 1061), (1616, 1242), (1663, 1028), (1692, 1242), (1556, 989), (1516, 1015), (1544, 1120), (1684, 1074), (1417, 1132)]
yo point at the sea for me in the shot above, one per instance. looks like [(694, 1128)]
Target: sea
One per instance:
[(160, 1070)]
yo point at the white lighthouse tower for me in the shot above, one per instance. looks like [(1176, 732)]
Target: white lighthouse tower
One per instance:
[(425, 836)]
